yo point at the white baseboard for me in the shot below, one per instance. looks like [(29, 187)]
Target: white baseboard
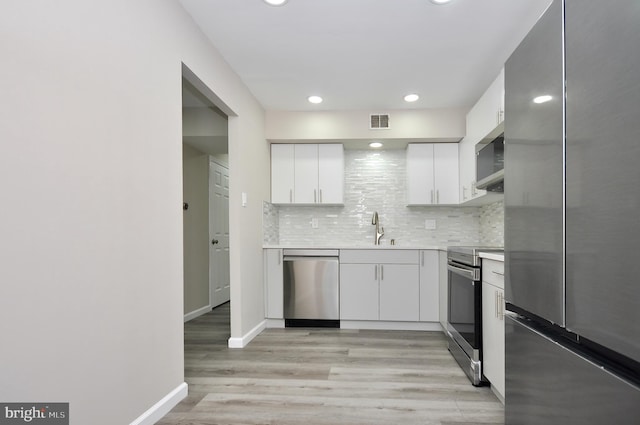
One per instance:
[(393, 326), (498, 395), (246, 339), (275, 323), (161, 408), (196, 313)]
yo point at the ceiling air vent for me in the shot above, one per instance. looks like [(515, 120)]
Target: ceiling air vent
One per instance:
[(379, 121)]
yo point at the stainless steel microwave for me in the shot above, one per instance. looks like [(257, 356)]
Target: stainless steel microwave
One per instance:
[(490, 161)]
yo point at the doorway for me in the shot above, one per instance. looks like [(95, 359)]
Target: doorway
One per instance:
[(206, 205), (219, 279)]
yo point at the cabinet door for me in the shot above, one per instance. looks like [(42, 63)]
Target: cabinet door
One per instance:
[(446, 173), (444, 288), (359, 292), (282, 173), (490, 107), (467, 167), (420, 176), (330, 174), (273, 284), (429, 286), (493, 336), (399, 292), (306, 174)]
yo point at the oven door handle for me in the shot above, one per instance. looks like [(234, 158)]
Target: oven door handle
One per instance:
[(470, 273)]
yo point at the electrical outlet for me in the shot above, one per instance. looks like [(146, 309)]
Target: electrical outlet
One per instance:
[(430, 224), (314, 223)]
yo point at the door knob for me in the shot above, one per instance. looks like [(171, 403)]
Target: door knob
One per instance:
[(214, 241)]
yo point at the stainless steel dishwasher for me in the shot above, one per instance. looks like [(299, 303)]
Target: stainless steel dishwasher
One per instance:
[(311, 288)]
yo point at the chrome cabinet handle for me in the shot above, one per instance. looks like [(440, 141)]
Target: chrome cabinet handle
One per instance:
[(432, 196), (279, 256), (422, 258), (315, 199), (437, 196), (375, 272), (498, 273), (381, 272), (291, 196), (320, 195)]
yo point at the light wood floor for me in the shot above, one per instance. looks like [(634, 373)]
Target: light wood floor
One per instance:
[(325, 377)]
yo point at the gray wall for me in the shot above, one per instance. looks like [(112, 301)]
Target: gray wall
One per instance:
[(91, 309), (195, 171)]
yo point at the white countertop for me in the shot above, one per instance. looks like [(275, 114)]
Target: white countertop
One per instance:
[(498, 256), (384, 246)]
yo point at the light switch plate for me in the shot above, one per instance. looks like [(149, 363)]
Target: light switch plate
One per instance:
[(314, 223), (430, 224)]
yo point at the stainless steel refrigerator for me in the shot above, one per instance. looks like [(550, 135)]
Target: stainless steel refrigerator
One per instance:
[(572, 217)]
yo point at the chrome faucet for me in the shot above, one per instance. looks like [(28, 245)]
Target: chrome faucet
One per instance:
[(379, 230)]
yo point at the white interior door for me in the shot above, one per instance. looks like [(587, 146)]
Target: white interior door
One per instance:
[(219, 281)]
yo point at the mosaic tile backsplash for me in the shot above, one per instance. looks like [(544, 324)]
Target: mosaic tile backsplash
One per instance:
[(376, 181)]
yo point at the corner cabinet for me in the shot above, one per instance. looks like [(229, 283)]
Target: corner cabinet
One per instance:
[(307, 174), (432, 174), (493, 333), (429, 286), (273, 284)]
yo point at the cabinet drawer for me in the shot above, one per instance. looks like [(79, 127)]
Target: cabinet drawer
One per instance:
[(493, 272), (377, 256)]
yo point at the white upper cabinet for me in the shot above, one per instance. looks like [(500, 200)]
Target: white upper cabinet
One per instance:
[(432, 174), (307, 174), (485, 116), (420, 176), (282, 174), (305, 161), (488, 112), (330, 174)]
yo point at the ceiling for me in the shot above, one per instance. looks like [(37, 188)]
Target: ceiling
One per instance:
[(366, 54)]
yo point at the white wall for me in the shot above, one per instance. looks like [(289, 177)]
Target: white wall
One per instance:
[(91, 218), (416, 124)]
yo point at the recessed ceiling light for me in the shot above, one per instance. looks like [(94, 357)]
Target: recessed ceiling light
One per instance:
[(411, 98), (375, 144), (275, 2), (440, 1), (542, 99), (314, 99)]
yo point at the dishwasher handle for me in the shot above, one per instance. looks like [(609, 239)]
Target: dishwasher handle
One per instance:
[(312, 253), (293, 258)]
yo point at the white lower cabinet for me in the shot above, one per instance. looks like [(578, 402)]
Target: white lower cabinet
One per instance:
[(493, 333), (393, 285), (359, 294), (274, 299), (399, 292), (429, 286), (372, 289)]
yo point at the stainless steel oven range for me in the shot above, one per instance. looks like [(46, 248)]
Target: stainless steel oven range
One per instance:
[(464, 317)]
